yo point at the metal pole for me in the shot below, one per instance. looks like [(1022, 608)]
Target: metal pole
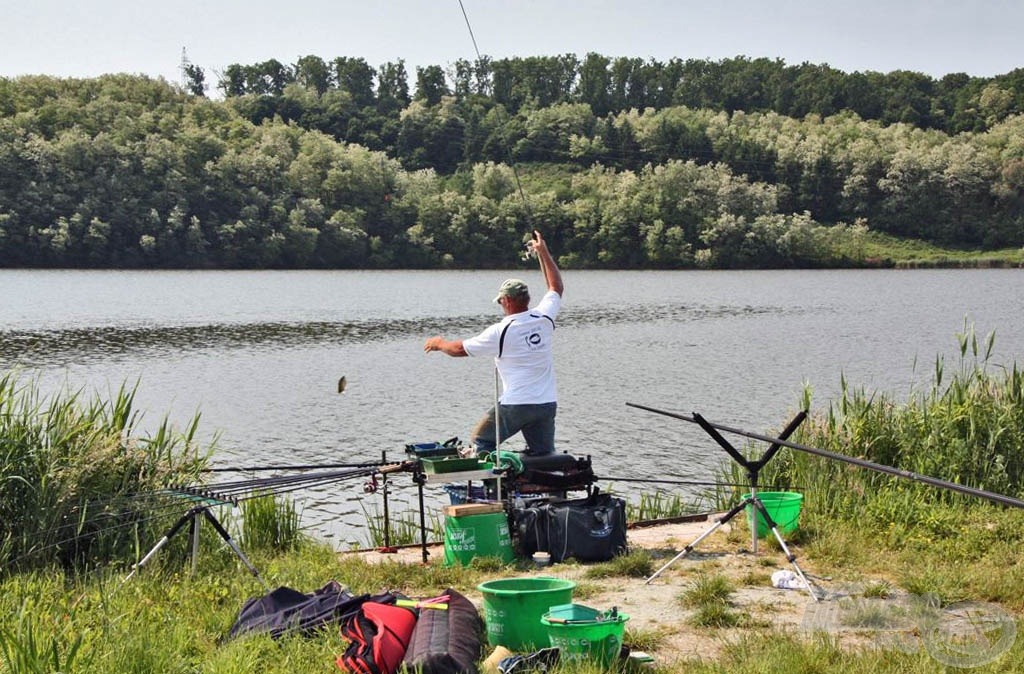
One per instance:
[(420, 478), (384, 488), (194, 527), (497, 432)]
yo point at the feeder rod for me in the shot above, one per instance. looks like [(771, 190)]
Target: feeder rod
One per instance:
[(881, 468)]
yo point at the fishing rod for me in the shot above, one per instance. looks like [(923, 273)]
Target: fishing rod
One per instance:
[(677, 482), (508, 148), (863, 463), (158, 503), (268, 483), (271, 467), (529, 252)]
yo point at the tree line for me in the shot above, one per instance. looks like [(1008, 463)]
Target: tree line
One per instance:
[(126, 171), (953, 103)]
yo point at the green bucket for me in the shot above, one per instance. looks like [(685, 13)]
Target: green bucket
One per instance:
[(581, 633), (481, 535), (782, 506), (513, 608)]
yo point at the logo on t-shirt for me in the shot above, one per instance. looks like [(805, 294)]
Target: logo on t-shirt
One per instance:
[(534, 341)]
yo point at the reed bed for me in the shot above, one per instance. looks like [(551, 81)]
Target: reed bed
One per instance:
[(966, 428), (78, 483)]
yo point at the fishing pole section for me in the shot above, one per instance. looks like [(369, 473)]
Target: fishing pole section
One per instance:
[(201, 498), (753, 468), (427, 462)]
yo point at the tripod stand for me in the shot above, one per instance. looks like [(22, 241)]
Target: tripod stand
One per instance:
[(753, 469), (192, 518)]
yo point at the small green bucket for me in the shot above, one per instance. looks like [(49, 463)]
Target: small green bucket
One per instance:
[(582, 633), (513, 608), (782, 506), (470, 536)]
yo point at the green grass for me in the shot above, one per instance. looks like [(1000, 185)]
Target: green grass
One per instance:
[(270, 523), (404, 528), (635, 564), (715, 615), (707, 590), (877, 249), (877, 590), (661, 505)]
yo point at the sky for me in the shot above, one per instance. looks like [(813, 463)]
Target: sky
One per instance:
[(92, 37)]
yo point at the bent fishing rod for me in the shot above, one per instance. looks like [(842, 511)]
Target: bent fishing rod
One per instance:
[(878, 467)]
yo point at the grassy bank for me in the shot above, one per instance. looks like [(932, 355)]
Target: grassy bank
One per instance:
[(876, 249), (966, 425)]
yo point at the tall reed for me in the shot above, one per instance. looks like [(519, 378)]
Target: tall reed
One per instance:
[(965, 427), (78, 483), (271, 523)]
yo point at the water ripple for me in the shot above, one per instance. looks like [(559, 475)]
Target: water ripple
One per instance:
[(60, 346)]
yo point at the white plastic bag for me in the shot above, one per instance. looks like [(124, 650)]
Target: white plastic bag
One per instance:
[(787, 580)]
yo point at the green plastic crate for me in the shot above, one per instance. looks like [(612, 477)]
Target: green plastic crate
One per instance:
[(449, 465)]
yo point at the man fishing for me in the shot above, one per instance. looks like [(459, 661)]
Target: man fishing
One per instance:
[(521, 345)]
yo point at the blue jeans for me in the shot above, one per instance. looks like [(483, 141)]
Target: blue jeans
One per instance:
[(537, 423)]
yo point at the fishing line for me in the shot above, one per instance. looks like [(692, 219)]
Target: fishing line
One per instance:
[(255, 469), (268, 484), (508, 148)]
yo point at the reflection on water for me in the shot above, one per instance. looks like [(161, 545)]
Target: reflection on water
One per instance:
[(79, 344), (82, 344)]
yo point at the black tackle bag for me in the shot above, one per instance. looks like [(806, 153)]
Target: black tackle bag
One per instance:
[(284, 610), (591, 529)]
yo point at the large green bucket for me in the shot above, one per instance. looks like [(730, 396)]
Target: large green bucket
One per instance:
[(582, 633), (513, 608), (482, 535), (782, 506)]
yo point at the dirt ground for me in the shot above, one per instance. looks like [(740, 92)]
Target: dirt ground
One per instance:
[(842, 607), (655, 607)]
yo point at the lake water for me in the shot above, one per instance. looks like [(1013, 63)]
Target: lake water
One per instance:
[(259, 354)]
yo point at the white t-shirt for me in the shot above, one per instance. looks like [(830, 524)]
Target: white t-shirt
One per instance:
[(526, 365)]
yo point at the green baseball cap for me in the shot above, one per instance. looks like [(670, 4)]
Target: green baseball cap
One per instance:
[(512, 287)]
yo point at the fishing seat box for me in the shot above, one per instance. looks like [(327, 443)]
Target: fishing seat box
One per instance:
[(553, 473)]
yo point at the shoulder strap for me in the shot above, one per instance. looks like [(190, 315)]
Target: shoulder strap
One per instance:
[(501, 340), (551, 320)]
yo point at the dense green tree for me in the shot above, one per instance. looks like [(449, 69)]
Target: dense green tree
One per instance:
[(392, 87), (195, 80), (595, 84), (313, 73), (430, 85), (355, 76)]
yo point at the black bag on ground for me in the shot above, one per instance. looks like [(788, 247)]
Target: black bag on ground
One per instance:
[(530, 528), (446, 642), (590, 530), (285, 610)]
